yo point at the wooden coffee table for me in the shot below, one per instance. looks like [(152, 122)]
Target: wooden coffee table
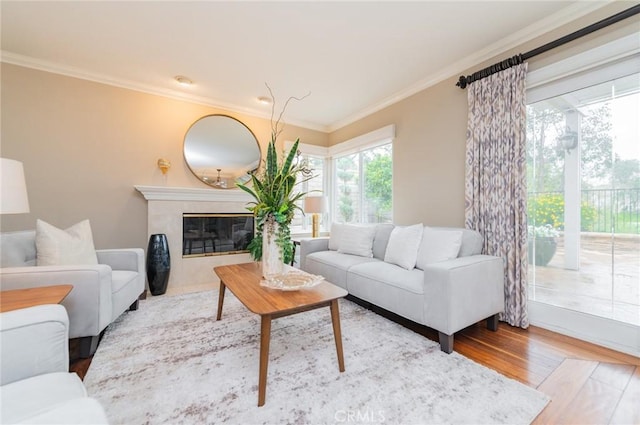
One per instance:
[(29, 297), (244, 281)]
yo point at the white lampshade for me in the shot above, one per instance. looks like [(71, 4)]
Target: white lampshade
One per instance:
[(315, 204), (13, 188)]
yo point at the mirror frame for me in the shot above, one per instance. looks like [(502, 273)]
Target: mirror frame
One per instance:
[(230, 183)]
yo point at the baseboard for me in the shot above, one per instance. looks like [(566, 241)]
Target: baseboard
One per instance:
[(619, 336)]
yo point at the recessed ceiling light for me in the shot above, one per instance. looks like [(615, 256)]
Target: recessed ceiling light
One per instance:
[(264, 100), (182, 80)]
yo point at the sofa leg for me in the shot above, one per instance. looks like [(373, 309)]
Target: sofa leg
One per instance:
[(134, 306), (88, 346), (492, 323), (446, 342)]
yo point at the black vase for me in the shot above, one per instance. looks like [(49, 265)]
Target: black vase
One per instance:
[(158, 264)]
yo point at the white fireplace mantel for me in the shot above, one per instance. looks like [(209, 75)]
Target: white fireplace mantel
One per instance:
[(163, 193)]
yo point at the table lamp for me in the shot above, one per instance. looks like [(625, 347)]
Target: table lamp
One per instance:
[(13, 188), (315, 205)]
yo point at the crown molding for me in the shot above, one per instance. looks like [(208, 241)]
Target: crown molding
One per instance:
[(550, 23), (74, 72), (554, 21)]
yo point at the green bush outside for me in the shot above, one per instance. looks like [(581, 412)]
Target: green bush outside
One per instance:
[(549, 209)]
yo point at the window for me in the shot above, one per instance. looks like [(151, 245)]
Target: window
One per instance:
[(356, 176), (363, 186), (362, 178), (315, 186)]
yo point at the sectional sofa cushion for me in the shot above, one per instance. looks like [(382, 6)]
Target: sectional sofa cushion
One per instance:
[(438, 245), (390, 287), (333, 265), (17, 249), (381, 239), (472, 241), (402, 248)]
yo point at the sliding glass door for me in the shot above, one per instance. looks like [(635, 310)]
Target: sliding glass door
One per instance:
[(584, 199)]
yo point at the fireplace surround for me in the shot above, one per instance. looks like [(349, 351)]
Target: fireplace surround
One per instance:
[(166, 207)]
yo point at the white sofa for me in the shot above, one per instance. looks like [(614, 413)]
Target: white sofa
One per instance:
[(35, 384), (444, 295), (100, 292)]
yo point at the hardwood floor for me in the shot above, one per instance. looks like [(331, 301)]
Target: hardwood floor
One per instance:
[(588, 384)]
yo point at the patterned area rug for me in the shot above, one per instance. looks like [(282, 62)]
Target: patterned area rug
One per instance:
[(171, 362)]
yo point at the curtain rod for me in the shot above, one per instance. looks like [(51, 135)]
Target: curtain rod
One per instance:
[(463, 82)]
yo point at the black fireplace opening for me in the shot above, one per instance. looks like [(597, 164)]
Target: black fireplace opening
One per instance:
[(216, 234)]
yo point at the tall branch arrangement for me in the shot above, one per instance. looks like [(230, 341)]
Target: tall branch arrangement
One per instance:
[(273, 189)]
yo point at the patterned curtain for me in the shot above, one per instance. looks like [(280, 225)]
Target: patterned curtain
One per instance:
[(496, 179)]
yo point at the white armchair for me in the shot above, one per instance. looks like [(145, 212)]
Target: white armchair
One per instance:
[(100, 292), (35, 384)]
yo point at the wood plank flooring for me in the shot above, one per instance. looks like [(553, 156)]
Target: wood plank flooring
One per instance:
[(588, 384)]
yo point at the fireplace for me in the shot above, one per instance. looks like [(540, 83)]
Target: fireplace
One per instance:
[(166, 208), (216, 234)]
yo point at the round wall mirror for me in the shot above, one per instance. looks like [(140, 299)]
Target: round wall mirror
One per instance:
[(221, 150)]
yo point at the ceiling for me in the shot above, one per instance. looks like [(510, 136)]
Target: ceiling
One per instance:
[(353, 57)]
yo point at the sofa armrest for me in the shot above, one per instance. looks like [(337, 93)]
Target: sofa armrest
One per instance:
[(311, 245), (463, 291), (131, 259), (88, 304), (33, 341)]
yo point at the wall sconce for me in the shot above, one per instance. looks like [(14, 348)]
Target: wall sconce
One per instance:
[(568, 140), (164, 165)]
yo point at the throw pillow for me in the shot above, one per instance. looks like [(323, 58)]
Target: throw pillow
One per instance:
[(402, 248), (438, 245), (336, 235), (57, 247), (357, 240)]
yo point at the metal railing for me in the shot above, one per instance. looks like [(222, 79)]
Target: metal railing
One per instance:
[(602, 210)]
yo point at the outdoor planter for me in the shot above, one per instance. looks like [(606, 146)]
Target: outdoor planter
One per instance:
[(545, 249)]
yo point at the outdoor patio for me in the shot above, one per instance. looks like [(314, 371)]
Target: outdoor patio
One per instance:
[(607, 284)]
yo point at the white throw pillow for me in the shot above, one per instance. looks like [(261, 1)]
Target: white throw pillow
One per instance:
[(336, 235), (438, 245), (357, 240), (403, 245), (57, 247)]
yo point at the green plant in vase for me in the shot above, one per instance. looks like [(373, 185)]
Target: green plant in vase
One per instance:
[(275, 196)]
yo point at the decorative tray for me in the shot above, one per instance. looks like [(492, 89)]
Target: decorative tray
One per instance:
[(292, 280)]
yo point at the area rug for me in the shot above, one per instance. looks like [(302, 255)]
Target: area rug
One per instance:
[(171, 362)]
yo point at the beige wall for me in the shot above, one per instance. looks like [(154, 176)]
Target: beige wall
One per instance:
[(85, 145), (429, 148)]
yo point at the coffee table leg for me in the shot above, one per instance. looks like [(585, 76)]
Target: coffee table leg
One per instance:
[(337, 334), (265, 337), (221, 299)]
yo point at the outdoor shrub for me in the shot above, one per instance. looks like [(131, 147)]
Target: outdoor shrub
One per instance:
[(549, 209), (546, 209)]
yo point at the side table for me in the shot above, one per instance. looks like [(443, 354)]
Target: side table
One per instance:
[(22, 298), (296, 243)]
